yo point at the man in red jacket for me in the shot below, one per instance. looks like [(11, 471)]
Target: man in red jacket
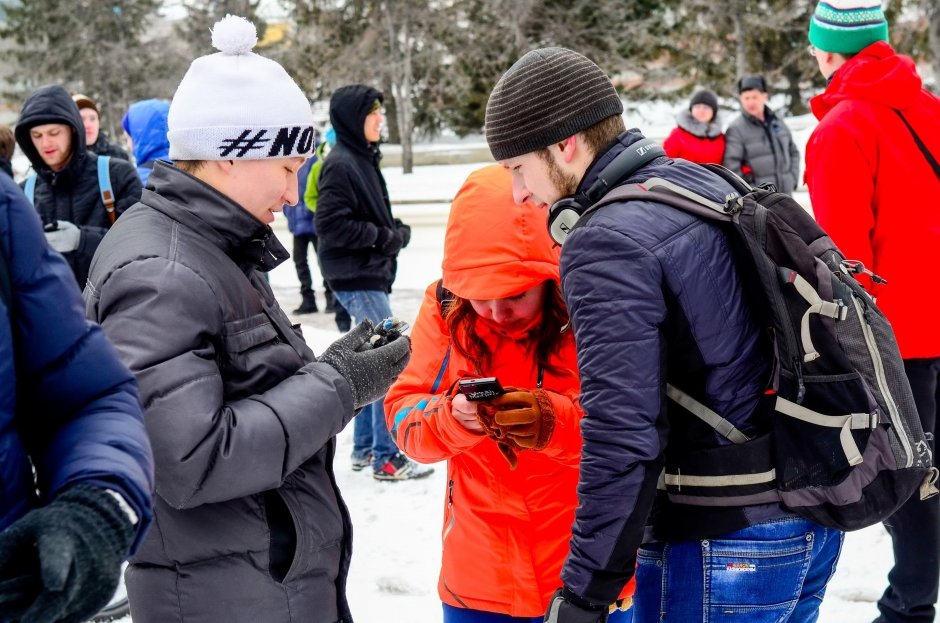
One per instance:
[(873, 177)]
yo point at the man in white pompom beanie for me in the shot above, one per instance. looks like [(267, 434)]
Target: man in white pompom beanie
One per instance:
[(250, 525)]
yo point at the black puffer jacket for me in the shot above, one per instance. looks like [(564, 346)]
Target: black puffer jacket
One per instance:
[(104, 147), (250, 524), (73, 194), (354, 215)]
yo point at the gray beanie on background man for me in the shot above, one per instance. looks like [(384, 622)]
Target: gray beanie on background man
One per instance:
[(546, 96)]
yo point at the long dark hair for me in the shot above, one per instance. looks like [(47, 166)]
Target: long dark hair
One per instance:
[(546, 336)]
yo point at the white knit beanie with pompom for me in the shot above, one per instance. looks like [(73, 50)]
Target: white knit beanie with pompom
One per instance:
[(237, 105)]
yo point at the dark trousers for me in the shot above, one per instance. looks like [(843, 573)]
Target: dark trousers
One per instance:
[(915, 527), (301, 243)]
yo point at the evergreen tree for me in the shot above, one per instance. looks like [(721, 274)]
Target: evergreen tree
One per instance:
[(104, 49)]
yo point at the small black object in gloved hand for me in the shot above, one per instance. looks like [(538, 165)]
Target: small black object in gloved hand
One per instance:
[(369, 371), (387, 331), (562, 609), (61, 563)]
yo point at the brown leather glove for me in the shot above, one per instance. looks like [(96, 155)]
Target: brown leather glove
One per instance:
[(520, 419)]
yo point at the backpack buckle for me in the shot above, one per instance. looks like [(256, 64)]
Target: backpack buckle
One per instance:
[(734, 203)]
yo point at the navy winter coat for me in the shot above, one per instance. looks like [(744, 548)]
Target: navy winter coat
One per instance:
[(654, 297), (299, 217), (73, 194), (66, 401)]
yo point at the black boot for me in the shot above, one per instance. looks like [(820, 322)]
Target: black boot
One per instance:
[(343, 321), (308, 306), (330, 302)]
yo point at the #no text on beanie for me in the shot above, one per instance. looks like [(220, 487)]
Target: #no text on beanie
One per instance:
[(847, 26), (546, 96), (237, 105)]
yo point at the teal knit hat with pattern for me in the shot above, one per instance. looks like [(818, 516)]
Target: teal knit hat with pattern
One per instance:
[(847, 26)]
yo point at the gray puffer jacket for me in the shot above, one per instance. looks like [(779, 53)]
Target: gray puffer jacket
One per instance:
[(250, 525), (763, 151)]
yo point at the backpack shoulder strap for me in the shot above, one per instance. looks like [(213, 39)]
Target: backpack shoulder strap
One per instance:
[(668, 193), (30, 189), (104, 187), (920, 145)]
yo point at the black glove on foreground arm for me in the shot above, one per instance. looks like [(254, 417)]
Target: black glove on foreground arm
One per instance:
[(369, 371), (61, 563), (562, 609)]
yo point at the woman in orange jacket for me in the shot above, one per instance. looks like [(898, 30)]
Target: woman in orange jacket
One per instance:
[(512, 461)]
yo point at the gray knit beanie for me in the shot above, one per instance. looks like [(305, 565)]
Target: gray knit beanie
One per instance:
[(546, 96)]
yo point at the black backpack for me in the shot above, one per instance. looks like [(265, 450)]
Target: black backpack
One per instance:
[(845, 446)]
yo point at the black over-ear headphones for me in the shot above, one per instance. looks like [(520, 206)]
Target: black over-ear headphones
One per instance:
[(565, 212)]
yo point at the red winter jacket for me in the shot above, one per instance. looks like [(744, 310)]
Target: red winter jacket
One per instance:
[(873, 190), (695, 141)]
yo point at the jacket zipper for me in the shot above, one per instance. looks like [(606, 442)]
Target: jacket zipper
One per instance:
[(882, 380), (447, 529)]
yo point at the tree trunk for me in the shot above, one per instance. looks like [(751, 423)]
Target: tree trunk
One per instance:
[(406, 109), (391, 111), (740, 42), (933, 26), (795, 102), (399, 34)]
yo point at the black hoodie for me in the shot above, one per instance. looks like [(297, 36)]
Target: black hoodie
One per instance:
[(354, 215), (72, 194)]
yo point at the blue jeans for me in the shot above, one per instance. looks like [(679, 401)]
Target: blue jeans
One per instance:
[(772, 572), (464, 615), (370, 434)]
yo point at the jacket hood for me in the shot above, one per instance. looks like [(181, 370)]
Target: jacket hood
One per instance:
[(146, 124), (876, 74), (349, 107), (50, 104), (494, 248)]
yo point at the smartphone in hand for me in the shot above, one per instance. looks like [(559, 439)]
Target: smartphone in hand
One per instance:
[(480, 389)]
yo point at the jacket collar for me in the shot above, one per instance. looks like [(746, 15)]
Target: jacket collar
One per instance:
[(606, 156), (214, 216), (693, 126)]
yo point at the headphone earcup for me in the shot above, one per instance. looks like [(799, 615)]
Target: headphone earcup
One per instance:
[(562, 217)]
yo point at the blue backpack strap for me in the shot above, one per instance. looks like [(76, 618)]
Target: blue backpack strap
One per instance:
[(104, 187), (30, 189)]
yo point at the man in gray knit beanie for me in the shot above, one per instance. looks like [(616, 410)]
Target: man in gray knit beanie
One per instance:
[(653, 294)]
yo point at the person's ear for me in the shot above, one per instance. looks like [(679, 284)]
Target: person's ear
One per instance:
[(569, 148), (224, 166)]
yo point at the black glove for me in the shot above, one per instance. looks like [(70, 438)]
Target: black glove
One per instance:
[(404, 230), (562, 610), (62, 562), (389, 242), (369, 371)]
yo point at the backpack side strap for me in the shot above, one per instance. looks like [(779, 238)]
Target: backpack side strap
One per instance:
[(30, 189), (104, 187)]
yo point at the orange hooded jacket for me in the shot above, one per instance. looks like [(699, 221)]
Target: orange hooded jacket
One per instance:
[(506, 532)]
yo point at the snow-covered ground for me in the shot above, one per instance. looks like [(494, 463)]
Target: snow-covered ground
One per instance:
[(396, 546)]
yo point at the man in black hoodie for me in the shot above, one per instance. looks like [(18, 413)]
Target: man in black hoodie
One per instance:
[(358, 251), (67, 191)]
